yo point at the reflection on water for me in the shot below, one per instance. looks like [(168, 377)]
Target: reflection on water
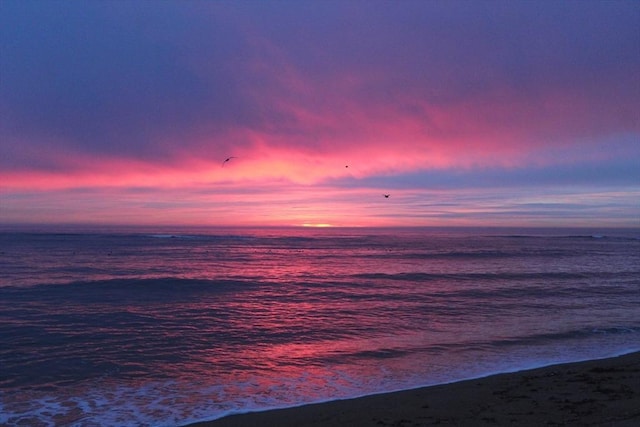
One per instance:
[(165, 328)]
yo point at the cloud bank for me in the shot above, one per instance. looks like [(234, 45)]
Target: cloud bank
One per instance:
[(98, 99)]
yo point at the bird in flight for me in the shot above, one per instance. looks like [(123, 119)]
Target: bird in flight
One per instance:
[(386, 196), (227, 159)]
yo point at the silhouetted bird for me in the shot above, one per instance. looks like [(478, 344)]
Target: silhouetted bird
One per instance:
[(386, 196), (227, 159)]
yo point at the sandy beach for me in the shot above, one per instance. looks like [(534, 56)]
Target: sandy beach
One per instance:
[(603, 392)]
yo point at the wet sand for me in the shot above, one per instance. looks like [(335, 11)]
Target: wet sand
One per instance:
[(603, 392)]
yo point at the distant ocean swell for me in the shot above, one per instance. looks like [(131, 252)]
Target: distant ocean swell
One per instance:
[(534, 276)]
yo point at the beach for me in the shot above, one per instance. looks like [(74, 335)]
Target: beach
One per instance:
[(604, 392)]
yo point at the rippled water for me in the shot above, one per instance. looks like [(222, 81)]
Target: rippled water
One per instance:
[(163, 328)]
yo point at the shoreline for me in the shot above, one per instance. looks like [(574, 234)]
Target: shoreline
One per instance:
[(593, 392)]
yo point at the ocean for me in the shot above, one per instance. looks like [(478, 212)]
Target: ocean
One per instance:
[(163, 327)]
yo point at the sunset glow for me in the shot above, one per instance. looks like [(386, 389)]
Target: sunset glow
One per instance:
[(465, 113)]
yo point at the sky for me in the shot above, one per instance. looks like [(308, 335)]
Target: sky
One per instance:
[(466, 113)]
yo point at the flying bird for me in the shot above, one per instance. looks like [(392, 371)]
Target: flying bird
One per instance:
[(227, 159), (386, 196)]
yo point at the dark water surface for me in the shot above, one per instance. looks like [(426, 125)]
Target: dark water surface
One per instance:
[(162, 328)]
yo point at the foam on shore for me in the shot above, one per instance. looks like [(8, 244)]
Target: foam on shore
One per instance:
[(593, 392)]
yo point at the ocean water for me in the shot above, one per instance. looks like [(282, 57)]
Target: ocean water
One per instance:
[(156, 327)]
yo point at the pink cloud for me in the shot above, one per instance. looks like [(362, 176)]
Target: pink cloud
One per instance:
[(397, 94)]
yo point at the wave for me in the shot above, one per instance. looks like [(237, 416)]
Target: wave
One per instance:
[(417, 276), (490, 345), (132, 290), (596, 236), (202, 237), (485, 254), (544, 338)]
